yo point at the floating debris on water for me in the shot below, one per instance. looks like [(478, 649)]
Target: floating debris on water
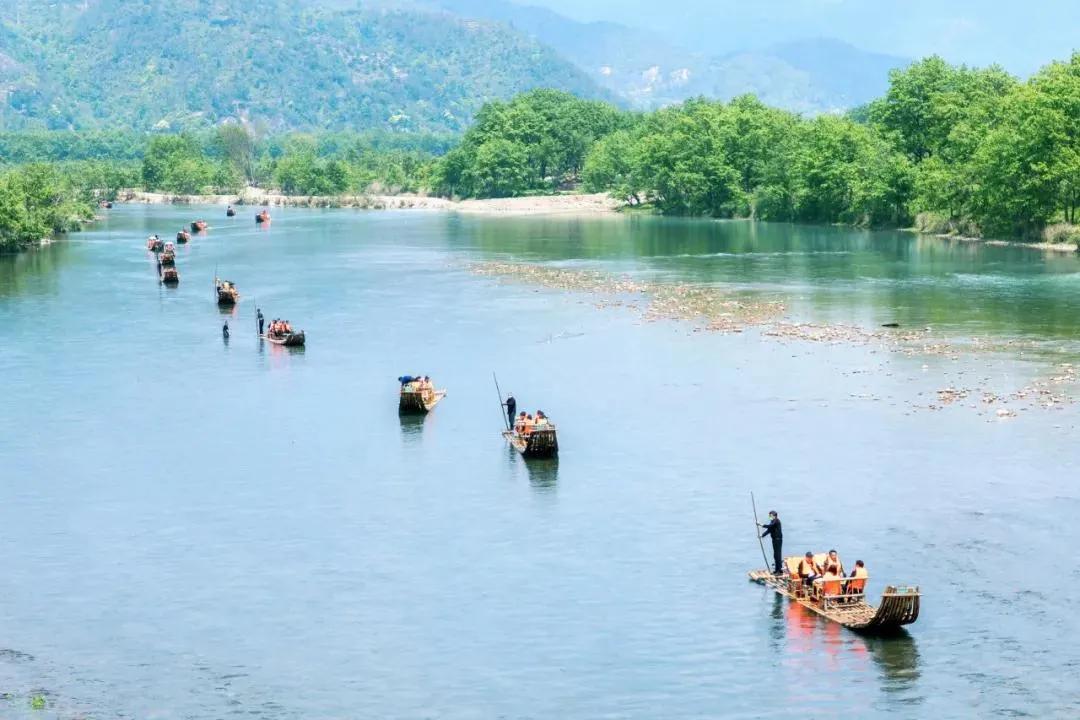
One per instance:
[(720, 309), (726, 310)]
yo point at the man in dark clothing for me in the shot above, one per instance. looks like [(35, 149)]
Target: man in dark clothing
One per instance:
[(511, 409), (773, 528), (225, 330), (259, 315)]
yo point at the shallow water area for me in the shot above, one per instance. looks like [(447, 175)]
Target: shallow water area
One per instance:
[(201, 528)]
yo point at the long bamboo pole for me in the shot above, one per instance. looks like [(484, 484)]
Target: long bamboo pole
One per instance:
[(757, 528), (506, 422)]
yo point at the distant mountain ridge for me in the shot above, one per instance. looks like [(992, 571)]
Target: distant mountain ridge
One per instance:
[(407, 65), (174, 64), (810, 76)]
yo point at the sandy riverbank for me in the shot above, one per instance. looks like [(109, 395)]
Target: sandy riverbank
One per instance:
[(599, 203)]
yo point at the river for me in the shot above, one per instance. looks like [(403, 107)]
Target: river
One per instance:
[(199, 528)]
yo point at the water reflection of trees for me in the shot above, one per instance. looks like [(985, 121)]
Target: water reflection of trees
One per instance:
[(839, 274), (34, 272)]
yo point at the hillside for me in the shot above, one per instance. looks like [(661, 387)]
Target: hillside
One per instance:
[(811, 76), (176, 64)]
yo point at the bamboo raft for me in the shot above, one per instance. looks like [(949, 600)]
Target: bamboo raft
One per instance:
[(198, 226), (182, 237), (167, 258), (419, 402), (155, 244), (293, 339), (899, 603), (540, 443), (227, 294), (169, 276)]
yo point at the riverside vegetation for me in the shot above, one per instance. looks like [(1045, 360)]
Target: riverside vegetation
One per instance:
[(948, 149)]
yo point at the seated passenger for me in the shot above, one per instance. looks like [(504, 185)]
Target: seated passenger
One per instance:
[(857, 583), (541, 418), (809, 570), (519, 423), (527, 426), (832, 581), (832, 562)]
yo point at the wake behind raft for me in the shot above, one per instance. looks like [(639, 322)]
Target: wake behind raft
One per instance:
[(843, 601)]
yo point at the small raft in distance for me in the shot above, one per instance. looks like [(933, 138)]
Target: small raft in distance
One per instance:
[(541, 442), (198, 226), (262, 218), (227, 294), (289, 339), (169, 276), (182, 237), (899, 604), (418, 402)]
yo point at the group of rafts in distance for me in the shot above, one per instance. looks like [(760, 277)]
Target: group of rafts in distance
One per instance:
[(279, 332), (841, 600)]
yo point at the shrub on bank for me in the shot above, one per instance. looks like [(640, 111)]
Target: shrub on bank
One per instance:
[(1062, 233), (933, 223)]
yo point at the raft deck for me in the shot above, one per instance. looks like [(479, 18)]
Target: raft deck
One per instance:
[(899, 604)]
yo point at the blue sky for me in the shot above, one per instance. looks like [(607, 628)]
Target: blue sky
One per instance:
[(1020, 35)]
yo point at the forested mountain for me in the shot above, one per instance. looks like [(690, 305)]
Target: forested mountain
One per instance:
[(813, 75), (281, 64)]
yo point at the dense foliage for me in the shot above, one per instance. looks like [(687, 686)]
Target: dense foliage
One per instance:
[(231, 157), (960, 149), (181, 65), (535, 142), (954, 149), (38, 200)]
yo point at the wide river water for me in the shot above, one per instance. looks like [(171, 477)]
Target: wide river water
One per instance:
[(194, 528)]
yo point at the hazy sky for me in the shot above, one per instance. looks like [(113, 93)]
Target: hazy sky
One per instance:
[(1020, 35)]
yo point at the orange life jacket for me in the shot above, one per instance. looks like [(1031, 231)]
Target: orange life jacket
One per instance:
[(832, 585), (858, 584), (807, 568)]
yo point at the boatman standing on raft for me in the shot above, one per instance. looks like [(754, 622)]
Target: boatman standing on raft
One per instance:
[(773, 528), (511, 409)]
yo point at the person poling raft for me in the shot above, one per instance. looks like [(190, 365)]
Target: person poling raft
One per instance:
[(183, 236), (229, 212), (533, 435), (199, 226), (154, 243), (817, 582), (262, 217), (280, 332), (227, 294), (418, 395)]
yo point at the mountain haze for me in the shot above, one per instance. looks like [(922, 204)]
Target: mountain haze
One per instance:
[(809, 75)]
